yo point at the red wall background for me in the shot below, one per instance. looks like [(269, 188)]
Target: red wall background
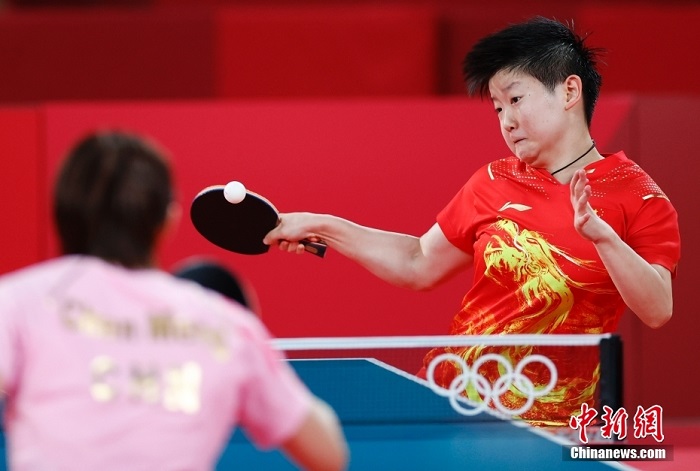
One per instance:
[(185, 49), (23, 157), (386, 163), (390, 163)]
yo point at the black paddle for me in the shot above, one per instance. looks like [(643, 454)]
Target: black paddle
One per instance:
[(239, 227)]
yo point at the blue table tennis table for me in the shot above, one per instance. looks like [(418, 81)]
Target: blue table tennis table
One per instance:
[(393, 421)]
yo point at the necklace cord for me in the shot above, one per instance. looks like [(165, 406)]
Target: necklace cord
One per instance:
[(575, 160)]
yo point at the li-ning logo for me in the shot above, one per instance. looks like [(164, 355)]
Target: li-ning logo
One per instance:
[(515, 206), (490, 393)]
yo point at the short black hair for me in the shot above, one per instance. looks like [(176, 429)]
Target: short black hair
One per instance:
[(545, 49), (111, 198), (217, 277)]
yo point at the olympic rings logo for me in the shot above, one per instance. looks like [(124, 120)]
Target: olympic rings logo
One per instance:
[(491, 393)]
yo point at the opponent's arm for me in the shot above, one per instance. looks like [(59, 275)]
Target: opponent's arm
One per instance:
[(645, 288), (319, 444), (403, 260)]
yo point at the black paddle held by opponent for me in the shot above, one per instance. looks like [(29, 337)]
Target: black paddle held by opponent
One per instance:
[(239, 223)]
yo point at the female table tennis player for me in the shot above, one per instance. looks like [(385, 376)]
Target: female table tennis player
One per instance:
[(107, 362), (561, 237)]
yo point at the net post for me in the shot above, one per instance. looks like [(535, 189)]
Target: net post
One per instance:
[(611, 372)]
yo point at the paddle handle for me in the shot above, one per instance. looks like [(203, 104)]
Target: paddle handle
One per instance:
[(315, 248)]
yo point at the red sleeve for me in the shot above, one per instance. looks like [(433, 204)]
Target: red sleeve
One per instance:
[(654, 234), (457, 218)]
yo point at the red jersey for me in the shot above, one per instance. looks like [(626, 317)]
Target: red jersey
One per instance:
[(534, 274)]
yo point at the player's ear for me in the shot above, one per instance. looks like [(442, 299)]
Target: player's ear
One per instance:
[(172, 220), (573, 89), (173, 216)]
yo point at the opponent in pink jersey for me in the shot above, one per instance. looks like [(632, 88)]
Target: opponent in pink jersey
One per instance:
[(560, 236), (109, 363)]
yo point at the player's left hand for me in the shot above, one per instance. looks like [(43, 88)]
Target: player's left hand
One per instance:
[(586, 222)]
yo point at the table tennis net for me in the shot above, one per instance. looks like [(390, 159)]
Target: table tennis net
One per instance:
[(437, 379)]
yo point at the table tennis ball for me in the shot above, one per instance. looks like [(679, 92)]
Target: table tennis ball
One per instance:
[(234, 192)]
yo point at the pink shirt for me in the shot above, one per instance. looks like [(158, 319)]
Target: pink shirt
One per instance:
[(108, 368)]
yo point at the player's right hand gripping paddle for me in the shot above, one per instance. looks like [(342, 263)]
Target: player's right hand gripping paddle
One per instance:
[(239, 227)]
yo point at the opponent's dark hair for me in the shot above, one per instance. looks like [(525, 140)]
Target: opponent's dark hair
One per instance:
[(111, 198), (217, 277), (545, 49)]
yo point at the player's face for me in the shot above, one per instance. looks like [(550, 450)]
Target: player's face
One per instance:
[(531, 116)]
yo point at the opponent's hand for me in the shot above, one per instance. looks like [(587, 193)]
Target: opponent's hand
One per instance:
[(586, 222)]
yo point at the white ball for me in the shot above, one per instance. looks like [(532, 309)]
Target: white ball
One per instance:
[(234, 192)]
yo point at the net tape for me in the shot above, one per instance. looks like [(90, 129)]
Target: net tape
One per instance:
[(511, 376)]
